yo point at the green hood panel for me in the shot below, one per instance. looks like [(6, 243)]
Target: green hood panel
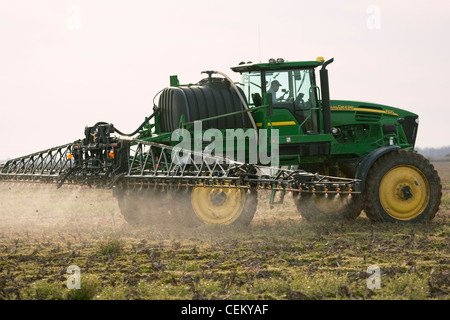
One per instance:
[(345, 112)]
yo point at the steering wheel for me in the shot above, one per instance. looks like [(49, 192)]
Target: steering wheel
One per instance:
[(282, 98)]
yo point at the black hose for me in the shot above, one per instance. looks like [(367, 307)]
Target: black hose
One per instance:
[(136, 131), (155, 110)]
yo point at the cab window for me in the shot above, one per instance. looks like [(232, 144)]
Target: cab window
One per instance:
[(294, 90), (289, 86), (252, 88), (290, 89)]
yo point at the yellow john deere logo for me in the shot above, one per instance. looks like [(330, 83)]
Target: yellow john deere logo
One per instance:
[(352, 108)]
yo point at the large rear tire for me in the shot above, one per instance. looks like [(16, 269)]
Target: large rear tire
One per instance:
[(402, 186)]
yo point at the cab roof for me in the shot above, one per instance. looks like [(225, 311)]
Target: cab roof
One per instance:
[(274, 65)]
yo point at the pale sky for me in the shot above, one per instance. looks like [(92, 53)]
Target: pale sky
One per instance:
[(67, 64)]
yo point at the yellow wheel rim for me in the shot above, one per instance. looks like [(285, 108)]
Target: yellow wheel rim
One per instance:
[(215, 206), (404, 192)]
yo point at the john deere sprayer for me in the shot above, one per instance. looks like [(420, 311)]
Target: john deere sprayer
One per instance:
[(209, 147)]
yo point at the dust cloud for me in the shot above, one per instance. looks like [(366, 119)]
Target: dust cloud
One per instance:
[(43, 207), (72, 209), (83, 211)]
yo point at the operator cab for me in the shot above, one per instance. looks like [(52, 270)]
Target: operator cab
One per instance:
[(291, 85)]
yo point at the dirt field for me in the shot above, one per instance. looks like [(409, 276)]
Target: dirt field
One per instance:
[(44, 231)]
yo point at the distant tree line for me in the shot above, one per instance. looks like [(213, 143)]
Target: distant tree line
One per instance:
[(442, 152)]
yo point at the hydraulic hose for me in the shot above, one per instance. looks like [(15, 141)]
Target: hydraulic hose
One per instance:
[(155, 110), (135, 131), (139, 128), (244, 103)]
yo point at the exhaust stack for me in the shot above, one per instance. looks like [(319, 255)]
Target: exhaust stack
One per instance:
[(325, 96)]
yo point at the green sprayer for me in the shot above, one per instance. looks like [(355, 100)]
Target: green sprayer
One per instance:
[(208, 148)]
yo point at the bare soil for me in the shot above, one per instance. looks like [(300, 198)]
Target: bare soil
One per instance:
[(44, 230)]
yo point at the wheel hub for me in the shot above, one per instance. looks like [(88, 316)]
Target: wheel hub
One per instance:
[(406, 192), (218, 198)]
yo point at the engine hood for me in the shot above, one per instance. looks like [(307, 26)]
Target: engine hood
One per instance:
[(368, 107)]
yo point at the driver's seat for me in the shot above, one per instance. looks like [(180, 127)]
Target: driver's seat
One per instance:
[(257, 100)]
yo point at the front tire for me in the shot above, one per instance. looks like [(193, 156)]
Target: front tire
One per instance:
[(402, 186)]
